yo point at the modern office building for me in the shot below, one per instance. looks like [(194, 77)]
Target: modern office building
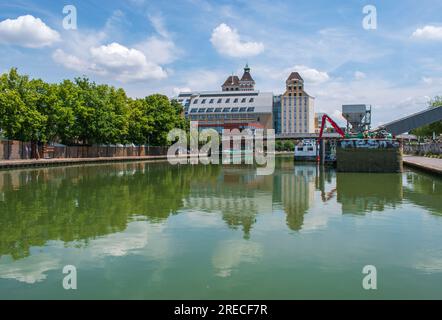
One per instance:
[(297, 107), (229, 110), (239, 106), (277, 114)]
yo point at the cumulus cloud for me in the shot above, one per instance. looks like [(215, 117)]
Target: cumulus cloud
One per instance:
[(311, 74), (92, 52), (227, 41), (428, 33), (27, 31), (124, 64), (71, 61)]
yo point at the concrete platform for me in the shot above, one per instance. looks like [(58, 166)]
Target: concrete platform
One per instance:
[(8, 164), (424, 163)]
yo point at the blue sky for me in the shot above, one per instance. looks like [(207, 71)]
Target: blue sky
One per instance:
[(148, 46)]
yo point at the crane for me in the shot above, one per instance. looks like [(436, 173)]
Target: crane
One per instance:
[(335, 126), (325, 118)]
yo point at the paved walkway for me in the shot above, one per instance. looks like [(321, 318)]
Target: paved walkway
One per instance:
[(5, 164), (424, 163)]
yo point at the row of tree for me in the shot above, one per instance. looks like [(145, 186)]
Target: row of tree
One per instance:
[(434, 128), (81, 112)]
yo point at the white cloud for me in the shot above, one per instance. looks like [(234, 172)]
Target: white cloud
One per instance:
[(116, 60), (161, 51), (127, 64), (428, 33), (177, 90), (360, 75), (158, 24), (228, 42), (27, 31), (311, 74), (91, 52), (72, 62)]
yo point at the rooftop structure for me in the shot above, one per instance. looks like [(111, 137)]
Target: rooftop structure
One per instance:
[(246, 83)]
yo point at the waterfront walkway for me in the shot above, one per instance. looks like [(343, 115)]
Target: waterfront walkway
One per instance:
[(424, 163), (6, 164)]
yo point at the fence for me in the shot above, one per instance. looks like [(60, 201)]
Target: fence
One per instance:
[(17, 150), (424, 148)]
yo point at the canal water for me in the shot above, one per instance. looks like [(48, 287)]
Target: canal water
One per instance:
[(156, 231)]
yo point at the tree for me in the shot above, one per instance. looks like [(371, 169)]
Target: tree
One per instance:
[(19, 115), (289, 146), (83, 112), (162, 116)]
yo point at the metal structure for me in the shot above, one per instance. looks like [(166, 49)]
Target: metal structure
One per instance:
[(320, 145), (358, 117), (413, 121), (334, 124)]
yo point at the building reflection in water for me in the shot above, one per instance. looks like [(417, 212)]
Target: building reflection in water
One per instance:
[(295, 187), (85, 202), (238, 194)]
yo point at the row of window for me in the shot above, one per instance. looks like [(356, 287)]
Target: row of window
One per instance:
[(285, 131), (218, 110), (220, 100), (224, 116)]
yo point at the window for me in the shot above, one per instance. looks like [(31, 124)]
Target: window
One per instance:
[(300, 149), (235, 101), (194, 110), (209, 110), (195, 101), (310, 149), (243, 109), (218, 109), (200, 110), (220, 100), (211, 101), (243, 100), (250, 109), (203, 102), (251, 100), (226, 110), (235, 109), (228, 100)]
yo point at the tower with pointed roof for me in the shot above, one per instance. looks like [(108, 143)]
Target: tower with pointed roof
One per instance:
[(246, 83), (297, 107)]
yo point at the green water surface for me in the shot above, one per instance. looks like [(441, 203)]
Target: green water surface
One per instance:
[(156, 231)]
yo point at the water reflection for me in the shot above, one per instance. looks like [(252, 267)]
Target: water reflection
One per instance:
[(424, 190), (367, 192), (78, 204)]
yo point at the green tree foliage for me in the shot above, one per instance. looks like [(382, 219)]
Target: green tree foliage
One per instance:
[(19, 115), (289, 146), (83, 112), (436, 127)]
